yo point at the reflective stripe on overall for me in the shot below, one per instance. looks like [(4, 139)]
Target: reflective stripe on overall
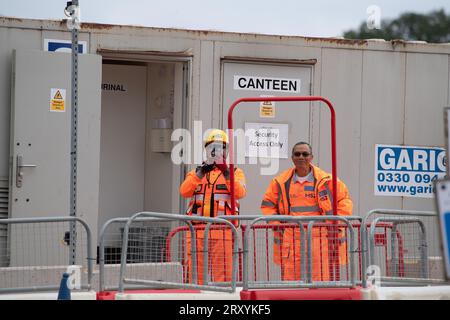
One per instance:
[(212, 198), (298, 199)]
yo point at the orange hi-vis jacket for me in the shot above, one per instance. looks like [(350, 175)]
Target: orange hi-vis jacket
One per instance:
[(210, 197), (284, 196)]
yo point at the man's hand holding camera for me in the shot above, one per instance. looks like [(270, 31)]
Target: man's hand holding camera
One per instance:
[(203, 169)]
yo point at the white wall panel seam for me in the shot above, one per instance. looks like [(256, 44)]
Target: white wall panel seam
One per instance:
[(404, 108), (360, 133), (319, 112)]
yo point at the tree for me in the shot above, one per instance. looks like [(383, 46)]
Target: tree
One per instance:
[(432, 27)]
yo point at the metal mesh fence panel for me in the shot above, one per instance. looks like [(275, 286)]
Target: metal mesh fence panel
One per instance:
[(404, 247), (146, 251), (38, 253), (193, 252), (262, 265), (277, 254), (301, 252)]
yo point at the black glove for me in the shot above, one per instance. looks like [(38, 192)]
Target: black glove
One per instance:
[(203, 169)]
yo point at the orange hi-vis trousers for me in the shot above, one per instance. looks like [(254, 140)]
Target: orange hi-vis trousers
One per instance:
[(219, 253), (321, 255)]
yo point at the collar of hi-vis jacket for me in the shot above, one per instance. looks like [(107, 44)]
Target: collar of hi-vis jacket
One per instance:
[(321, 178)]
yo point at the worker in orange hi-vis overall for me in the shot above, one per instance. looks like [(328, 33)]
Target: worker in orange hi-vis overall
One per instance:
[(208, 187), (305, 190)]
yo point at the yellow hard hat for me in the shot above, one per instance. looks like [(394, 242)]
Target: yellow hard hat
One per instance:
[(217, 135)]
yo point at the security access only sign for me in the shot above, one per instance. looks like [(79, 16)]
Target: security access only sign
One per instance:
[(266, 140), (408, 171)]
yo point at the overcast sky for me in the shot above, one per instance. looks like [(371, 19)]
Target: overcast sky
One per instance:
[(316, 18)]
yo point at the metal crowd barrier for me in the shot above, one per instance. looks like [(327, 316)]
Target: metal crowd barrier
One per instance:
[(261, 267), (182, 230), (322, 251), (147, 237), (401, 247), (260, 264), (160, 250), (190, 249), (39, 251), (309, 267)]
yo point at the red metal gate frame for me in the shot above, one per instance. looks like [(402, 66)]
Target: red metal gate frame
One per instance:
[(285, 99), (334, 259)]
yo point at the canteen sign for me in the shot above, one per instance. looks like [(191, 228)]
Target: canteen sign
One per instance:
[(408, 171)]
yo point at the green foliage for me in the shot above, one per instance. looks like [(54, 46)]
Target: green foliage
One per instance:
[(433, 27)]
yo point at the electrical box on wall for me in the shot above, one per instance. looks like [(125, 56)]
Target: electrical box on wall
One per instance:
[(160, 136)]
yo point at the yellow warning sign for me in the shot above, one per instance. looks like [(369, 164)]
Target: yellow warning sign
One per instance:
[(58, 95), (267, 109), (57, 100)]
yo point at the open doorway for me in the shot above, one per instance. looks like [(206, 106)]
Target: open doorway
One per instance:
[(143, 101)]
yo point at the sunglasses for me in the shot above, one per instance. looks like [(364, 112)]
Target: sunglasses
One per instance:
[(304, 154)]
